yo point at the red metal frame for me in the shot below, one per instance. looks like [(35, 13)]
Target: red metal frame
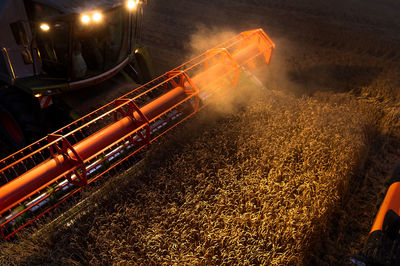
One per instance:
[(63, 163), (79, 166), (132, 107)]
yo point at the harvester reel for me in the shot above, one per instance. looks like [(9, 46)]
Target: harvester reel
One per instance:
[(68, 160), (64, 148)]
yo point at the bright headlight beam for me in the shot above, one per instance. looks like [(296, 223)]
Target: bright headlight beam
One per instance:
[(45, 27), (97, 17), (132, 4), (85, 19)]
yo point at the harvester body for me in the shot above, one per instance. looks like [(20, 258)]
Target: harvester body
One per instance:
[(382, 246), (51, 47), (47, 173), (13, 48)]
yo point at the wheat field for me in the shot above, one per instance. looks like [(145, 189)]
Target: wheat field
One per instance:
[(291, 175)]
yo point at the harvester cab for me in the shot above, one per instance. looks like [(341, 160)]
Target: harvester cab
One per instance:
[(49, 47)]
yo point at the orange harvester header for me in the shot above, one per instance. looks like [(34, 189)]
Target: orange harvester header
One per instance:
[(40, 177)]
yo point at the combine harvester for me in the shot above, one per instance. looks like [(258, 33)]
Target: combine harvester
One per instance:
[(44, 175), (383, 244), (53, 53)]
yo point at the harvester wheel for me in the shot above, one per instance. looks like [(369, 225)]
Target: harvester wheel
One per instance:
[(139, 70), (144, 68), (19, 118)]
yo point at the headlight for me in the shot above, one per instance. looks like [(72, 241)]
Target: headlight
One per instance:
[(132, 4), (85, 19), (97, 17), (45, 27)]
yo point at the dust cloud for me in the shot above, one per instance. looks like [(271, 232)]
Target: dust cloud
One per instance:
[(206, 38), (271, 79)]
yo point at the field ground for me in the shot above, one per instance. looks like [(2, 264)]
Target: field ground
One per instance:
[(292, 175)]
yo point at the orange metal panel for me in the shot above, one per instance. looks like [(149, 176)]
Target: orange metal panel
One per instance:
[(391, 202), (24, 186)]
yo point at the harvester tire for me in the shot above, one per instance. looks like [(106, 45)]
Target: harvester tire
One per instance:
[(139, 70), (19, 118), (144, 68)]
